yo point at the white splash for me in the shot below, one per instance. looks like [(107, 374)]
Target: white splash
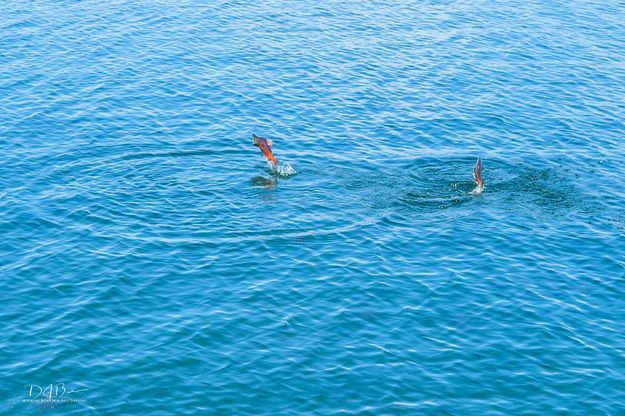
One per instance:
[(283, 169), (477, 190)]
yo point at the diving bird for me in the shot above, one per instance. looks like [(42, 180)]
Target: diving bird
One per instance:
[(477, 175), (265, 146)]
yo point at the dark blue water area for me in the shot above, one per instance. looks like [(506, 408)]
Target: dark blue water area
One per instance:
[(152, 263)]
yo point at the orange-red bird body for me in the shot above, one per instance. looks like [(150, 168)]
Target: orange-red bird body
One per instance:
[(265, 146)]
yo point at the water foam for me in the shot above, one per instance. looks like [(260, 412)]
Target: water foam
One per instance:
[(283, 169)]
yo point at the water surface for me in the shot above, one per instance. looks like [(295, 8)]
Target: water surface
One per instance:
[(150, 258)]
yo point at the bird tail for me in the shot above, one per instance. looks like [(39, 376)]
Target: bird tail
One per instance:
[(477, 172)]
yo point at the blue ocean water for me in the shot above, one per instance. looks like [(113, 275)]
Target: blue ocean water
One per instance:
[(152, 264)]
